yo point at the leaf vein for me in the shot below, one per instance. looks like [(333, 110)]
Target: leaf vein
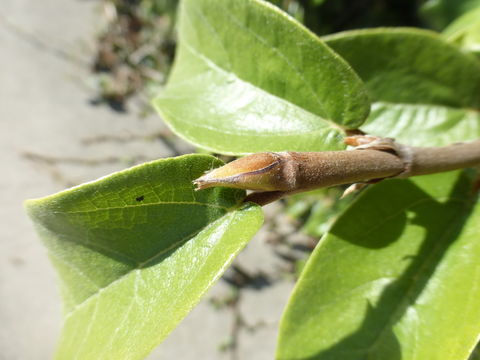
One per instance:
[(143, 205)]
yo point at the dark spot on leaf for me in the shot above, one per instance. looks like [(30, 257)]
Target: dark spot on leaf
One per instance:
[(140, 198)]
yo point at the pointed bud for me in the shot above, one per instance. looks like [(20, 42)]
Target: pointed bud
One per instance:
[(261, 172)]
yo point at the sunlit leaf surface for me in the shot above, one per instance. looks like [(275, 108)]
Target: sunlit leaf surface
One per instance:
[(397, 277), (425, 90), (248, 78)]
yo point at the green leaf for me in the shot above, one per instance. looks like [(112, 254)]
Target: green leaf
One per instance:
[(465, 31), (136, 250), (248, 78), (440, 13), (423, 125), (425, 90), (403, 65), (395, 278)]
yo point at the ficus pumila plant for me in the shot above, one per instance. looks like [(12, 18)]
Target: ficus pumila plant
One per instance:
[(395, 277)]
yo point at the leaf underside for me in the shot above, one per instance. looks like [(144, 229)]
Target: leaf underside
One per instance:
[(136, 250)]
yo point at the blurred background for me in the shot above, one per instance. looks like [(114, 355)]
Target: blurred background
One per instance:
[(76, 78)]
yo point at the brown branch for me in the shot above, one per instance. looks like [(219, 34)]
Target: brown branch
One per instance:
[(275, 175), (433, 160)]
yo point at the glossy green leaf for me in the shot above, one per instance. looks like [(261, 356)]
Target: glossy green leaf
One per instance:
[(423, 125), (404, 65), (136, 250), (248, 78), (397, 277), (465, 31), (425, 90)]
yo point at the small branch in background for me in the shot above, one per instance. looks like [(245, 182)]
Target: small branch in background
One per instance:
[(241, 278), (41, 44), (238, 278), (58, 176), (47, 159), (231, 344), (166, 137), (51, 164), (98, 139)]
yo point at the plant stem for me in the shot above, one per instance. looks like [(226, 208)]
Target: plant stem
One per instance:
[(372, 160), (440, 159)]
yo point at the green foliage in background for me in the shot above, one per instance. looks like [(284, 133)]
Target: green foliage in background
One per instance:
[(465, 31), (424, 90), (317, 210), (395, 277), (440, 13)]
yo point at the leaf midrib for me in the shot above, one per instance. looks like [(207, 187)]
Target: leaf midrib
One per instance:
[(140, 266), (144, 205)]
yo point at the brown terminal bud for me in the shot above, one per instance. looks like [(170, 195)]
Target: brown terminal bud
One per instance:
[(260, 172)]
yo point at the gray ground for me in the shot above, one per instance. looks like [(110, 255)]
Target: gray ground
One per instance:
[(44, 117)]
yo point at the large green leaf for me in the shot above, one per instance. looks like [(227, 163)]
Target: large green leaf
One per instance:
[(465, 31), (136, 250), (397, 277), (426, 91), (248, 78)]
